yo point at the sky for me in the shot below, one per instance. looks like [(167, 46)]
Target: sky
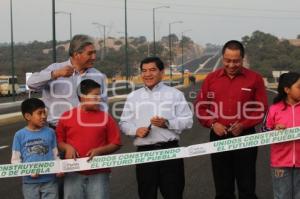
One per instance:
[(210, 21)]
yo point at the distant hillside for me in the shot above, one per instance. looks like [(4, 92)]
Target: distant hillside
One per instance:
[(34, 56), (294, 42), (266, 52)]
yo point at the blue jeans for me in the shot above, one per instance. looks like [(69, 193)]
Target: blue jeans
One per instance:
[(78, 186), (286, 183), (47, 190)]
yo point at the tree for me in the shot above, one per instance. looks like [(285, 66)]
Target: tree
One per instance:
[(266, 52), (185, 41), (35, 56), (174, 38)]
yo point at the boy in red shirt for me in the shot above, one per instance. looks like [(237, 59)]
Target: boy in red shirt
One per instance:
[(86, 131)]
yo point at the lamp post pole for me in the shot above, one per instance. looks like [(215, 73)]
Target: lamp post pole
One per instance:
[(70, 20), (104, 36), (154, 44), (170, 49), (126, 48), (12, 53), (182, 60), (53, 32)]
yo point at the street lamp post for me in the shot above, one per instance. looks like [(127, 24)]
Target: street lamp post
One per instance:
[(182, 68), (170, 49), (70, 19), (71, 35), (53, 32), (126, 48), (104, 36), (154, 45), (12, 52)]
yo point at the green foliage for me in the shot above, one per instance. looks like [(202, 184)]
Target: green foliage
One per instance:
[(185, 41), (266, 53), (35, 56)]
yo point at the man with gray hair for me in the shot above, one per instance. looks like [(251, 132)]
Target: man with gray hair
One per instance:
[(59, 81)]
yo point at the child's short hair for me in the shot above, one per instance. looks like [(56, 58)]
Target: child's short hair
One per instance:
[(30, 105), (86, 86)]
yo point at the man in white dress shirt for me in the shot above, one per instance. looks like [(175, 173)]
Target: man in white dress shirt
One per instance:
[(155, 115)]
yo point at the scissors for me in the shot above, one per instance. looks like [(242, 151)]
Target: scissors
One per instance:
[(231, 126), (149, 127)]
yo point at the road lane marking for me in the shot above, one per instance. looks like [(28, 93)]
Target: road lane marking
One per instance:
[(3, 147), (272, 91)]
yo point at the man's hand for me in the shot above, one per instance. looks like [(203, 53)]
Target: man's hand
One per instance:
[(142, 132), (35, 175), (60, 175), (102, 150), (91, 153), (236, 129), (65, 71), (159, 122), (280, 127), (71, 153), (219, 129)]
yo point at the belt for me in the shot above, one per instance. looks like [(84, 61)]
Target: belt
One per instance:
[(215, 137), (159, 145)]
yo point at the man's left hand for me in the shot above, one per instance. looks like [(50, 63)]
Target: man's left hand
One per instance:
[(91, 153), (159, 122), (236, 129)]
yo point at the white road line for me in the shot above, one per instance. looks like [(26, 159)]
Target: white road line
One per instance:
[(3, 147), (272, 91), (204, 63), (217, 63)]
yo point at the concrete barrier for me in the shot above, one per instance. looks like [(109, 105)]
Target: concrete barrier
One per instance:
[(10, 118)]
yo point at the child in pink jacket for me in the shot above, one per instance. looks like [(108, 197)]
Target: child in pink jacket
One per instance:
[(285, 157)]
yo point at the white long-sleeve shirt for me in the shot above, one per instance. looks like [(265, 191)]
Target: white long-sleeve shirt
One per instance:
[(163, 101), (60, 95)]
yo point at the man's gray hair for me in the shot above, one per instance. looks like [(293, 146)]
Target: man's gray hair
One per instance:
[(79, 42)]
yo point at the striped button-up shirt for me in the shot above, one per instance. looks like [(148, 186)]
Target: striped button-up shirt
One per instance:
[(60, 95)]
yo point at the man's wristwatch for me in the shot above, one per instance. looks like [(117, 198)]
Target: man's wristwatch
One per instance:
[(52, 75)]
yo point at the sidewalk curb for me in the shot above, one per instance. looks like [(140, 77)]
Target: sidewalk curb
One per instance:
[(10, 118)]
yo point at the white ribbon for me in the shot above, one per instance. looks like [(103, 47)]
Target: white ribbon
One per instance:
[(125, 159)]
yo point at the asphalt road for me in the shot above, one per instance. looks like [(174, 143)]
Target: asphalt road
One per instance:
[(199, 182), (193, 65)]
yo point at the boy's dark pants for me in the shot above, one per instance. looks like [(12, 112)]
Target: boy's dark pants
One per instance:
[(60, 180)]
